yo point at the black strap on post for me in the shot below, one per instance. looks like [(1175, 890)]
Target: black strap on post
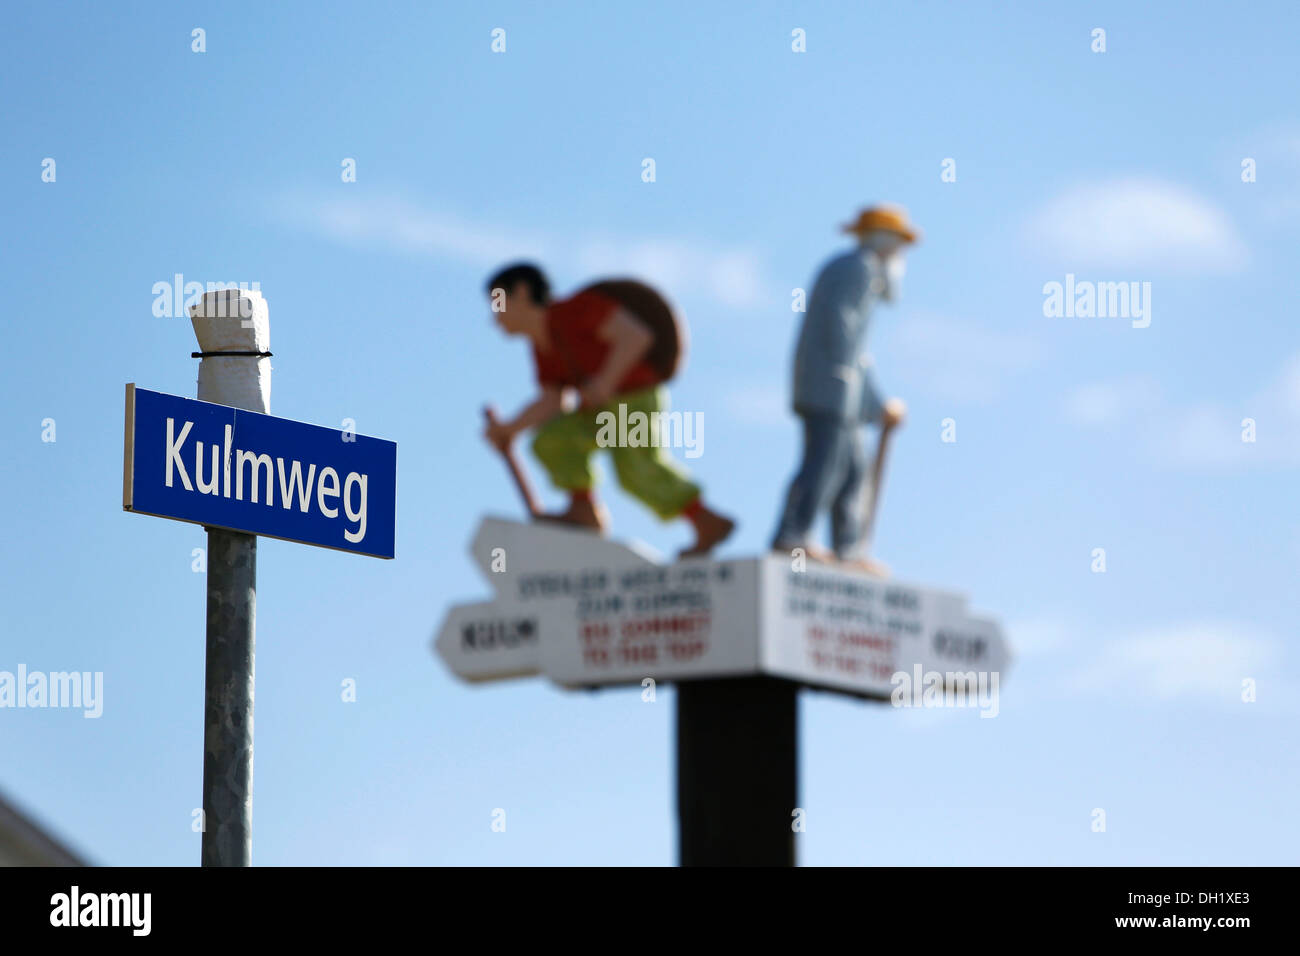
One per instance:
[(245, 354)]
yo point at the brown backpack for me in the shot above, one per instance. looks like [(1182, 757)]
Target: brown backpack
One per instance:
[(669, 348)]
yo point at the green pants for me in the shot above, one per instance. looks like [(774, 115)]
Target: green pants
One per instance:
[(565, 444)]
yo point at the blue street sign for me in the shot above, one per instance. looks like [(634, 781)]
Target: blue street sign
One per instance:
[(243, 471)]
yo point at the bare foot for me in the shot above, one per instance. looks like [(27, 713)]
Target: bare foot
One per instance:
[(582, 513), (711, 529), (866, 565)]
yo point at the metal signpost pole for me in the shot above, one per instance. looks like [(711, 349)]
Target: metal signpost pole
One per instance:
[(737, 771), (233, 331), (228, 699)]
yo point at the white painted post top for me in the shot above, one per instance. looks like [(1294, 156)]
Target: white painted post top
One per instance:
[(234, 320)]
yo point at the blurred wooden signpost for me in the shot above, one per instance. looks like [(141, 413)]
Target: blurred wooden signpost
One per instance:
[(738, 636)]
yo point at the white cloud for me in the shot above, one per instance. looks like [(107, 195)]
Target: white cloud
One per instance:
[(1036, 636), (940, 357), (730, 276), (405, 228), (1137, 224), (1203, 659), (957, 360), (1210, 435), (1205, 435), (1105, 403)]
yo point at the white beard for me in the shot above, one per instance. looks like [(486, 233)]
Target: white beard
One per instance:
[(887, 276)]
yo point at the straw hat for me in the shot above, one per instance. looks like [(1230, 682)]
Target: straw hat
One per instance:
[(884, 218)]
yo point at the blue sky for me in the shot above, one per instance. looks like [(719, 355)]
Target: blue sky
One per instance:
[(1072, 433)]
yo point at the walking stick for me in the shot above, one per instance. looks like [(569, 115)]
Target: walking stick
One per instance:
[(877, 476), (516, 472)]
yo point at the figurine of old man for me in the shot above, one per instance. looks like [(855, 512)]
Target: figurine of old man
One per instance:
[(835, 393)]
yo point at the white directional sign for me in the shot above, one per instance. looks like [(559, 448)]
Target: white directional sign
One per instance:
[(585, 611)]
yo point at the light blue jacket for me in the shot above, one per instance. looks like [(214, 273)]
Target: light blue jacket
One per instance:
[(832, 372)]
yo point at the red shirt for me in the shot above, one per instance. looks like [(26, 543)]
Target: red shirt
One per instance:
[(577, 353)]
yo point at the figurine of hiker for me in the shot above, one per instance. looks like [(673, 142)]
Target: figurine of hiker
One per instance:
[(614, 343), (835, 394)]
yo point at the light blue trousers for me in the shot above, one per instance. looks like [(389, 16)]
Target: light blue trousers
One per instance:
[(831, 476)]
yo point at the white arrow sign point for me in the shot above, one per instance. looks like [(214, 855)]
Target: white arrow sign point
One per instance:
[(846, 631), (507, 550), (489, 641), (538, 572)]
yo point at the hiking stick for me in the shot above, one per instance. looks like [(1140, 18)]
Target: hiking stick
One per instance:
[(516, 472), (877, 476)]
